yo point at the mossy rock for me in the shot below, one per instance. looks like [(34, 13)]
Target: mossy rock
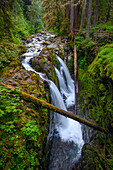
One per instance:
[(22, 49), (92, 160), (8, 52), (45, 63)]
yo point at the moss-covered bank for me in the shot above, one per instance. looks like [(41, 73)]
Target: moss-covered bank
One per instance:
[(97, 96), (95, 77), (24, 127)]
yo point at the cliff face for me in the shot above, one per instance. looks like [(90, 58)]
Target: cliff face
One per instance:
[(97, 96)]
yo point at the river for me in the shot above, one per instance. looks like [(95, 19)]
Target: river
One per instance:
[(65, 134)]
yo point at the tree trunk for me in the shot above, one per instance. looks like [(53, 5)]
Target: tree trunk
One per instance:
[(89, 18), (95, 13), (58, 21), (83, 13), (67, 15), (72, 17), (108, 12), (75, 75), (27, 97), (76, 15)]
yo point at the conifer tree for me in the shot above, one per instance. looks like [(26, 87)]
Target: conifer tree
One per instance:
[(76, 13), (84, 3), (34, 15), (72, 17), (54, 14), (88, 18), (95, 12)]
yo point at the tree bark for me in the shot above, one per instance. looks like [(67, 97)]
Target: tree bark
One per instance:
[(95, 13), (108, 12), (72, 17), (57, 6), (83, 13), (67, 15), (89, 18), (76, 15), (75, 76), (27, 97)]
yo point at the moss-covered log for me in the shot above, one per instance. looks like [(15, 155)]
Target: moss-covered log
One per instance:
[(27, 97)]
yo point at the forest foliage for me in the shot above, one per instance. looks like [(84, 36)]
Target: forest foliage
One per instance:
[(63, 16), (23, 129), (19, 18)]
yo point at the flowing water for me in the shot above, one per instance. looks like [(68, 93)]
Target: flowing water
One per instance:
[(65, 134)]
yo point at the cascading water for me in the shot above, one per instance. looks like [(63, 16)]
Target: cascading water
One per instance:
[(64, 70), (66, 83), (67, 139), (67, 136)]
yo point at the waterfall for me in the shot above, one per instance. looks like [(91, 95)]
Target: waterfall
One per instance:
[(63, 88), (69, 130), (67, 140), (66, 83), (66, 134), (64, 70), (57, 100)]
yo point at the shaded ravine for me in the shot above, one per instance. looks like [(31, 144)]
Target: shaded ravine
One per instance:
[(65, 134)]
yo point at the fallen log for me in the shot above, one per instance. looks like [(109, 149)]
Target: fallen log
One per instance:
[(29, 98)]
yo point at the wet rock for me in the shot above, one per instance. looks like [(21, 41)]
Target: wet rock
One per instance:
[(39, 38), (53, 45), (41, 64), (68, 55), (65, 155), (19, 77), (91, 158), (45, 62), (12, 82), (46, 43), (22, 57), (43, 32)]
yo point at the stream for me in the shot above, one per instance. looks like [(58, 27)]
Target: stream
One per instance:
[(65, 134)]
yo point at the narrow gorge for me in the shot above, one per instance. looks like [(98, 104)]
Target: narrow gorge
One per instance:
[(65, 135)]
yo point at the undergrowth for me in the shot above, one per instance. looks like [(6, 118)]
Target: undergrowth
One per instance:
[(87, 49), (22, 132)]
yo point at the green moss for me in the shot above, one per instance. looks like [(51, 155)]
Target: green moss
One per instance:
[(22, 49), (93, 160), (97, 84), (8, 52), (87, 49), (97, 95), (23, 127), (45, 63)]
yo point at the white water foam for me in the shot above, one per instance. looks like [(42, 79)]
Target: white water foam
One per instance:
[(65, 77), (68, 129)]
